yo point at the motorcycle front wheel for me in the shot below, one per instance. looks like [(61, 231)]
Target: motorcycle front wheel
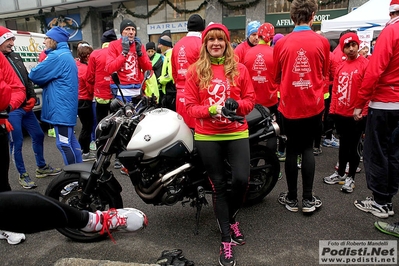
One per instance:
[(265, 170), (67, 188)]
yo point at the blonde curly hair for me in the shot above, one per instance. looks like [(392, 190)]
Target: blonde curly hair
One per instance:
[(203, 65)]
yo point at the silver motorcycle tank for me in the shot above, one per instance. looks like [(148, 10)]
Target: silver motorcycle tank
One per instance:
[(159, 129)]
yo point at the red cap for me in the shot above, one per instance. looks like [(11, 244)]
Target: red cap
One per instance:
[(215, 26), (347, 38), (266, 31)]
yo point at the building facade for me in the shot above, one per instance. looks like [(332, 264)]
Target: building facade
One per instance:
[(86, 20)]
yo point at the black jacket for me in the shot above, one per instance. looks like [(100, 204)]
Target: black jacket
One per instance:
[(17, 63)]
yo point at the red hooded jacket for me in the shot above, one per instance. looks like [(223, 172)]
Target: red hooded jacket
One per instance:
[(12, 91)]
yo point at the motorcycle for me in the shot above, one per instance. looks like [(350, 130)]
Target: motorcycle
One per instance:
[(157, 149)]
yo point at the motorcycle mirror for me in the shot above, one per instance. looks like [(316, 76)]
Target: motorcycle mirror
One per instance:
[(115, 78)]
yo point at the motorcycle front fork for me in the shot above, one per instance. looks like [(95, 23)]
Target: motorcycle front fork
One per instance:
[(95, 175)]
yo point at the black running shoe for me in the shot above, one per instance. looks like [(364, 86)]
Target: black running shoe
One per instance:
[(236, 235), (226, 257)]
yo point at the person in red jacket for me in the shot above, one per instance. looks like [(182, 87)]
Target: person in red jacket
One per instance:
[(218, 94), (99, 78), (380, 86), (85, 96), (184, 54), (12, 95), (128, 58), (259, 62), (301, 62), (251, 40), (347, 81)]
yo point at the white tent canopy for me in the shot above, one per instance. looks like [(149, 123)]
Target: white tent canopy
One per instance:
[(372, 15)]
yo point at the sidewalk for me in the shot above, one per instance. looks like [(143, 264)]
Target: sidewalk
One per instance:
[(87, 262)]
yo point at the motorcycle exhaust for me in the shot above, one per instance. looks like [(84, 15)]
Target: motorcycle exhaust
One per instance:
[(153, 190)]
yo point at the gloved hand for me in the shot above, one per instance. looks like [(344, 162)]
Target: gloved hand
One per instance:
[(231, 115), (29, 105), (125, 45), (138, 46), (9, 127), (231, 104)]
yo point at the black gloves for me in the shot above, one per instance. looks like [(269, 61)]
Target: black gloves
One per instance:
[(125, 45), (229, 111), (138, 46), (173, 257), (231, 104), (231, 115)]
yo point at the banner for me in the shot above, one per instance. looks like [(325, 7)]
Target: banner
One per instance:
[(70, 23)]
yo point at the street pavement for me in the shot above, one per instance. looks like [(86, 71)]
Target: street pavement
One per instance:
[(275, 236)]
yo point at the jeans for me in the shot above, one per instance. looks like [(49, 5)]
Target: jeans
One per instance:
[(19, 119)]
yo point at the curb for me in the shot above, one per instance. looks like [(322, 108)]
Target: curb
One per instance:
[(88, 262)]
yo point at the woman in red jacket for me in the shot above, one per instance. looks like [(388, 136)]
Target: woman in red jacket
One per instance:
[(218, 94), (85, 110), (347, 82)]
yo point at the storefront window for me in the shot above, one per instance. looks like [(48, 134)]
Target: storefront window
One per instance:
[(237, 36), (278, 6), (232, 12), (341, 5)]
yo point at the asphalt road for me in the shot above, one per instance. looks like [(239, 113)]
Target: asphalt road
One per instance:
[(274, 235)]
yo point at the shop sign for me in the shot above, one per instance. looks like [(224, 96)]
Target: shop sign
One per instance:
[(284, 20), (172, 26)]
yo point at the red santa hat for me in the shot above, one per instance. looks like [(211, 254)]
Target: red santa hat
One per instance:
[(5, 34), (347, 38), (394, 6), (213, 26)]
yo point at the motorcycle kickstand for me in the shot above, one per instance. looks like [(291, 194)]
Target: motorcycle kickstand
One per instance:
[(199, 202)]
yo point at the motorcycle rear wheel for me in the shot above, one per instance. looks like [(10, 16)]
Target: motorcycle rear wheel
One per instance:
[(262, 180), (67, 188)]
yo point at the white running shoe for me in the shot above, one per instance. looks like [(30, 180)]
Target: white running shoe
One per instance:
[(349, 185), (12, 238), (335, 178), (128, 219)]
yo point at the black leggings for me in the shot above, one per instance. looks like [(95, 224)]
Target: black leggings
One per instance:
[(213, 155), (31, 212), (300, 135), (349, 132), (86, 116), (5, 160), (102, 110)]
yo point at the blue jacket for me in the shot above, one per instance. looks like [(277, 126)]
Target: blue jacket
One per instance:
[(58, 76)]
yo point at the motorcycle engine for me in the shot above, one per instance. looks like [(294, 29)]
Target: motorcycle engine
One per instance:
[(152, 190)]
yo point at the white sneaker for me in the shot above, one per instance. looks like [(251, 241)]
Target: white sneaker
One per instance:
[(128, 219), (349, 185), (335, 178), (12, 238)]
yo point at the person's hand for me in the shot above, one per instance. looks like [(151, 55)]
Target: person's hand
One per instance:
[(9, 127), (357, 114), (29, 105), (125, 45), (231, 115), (138, 46), (231, 104)]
